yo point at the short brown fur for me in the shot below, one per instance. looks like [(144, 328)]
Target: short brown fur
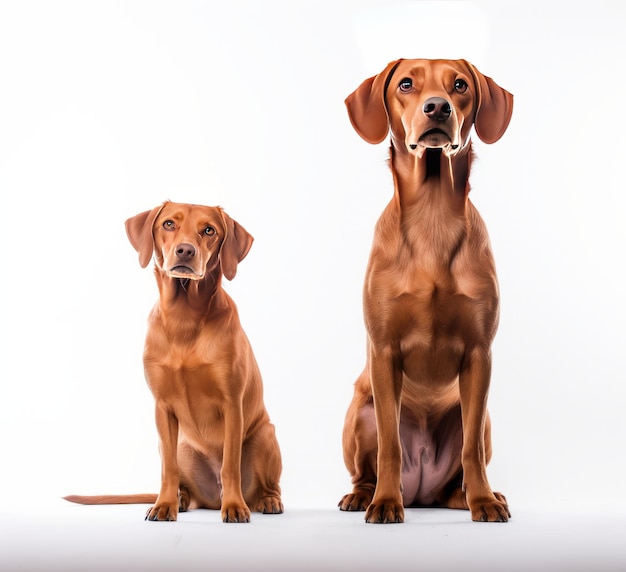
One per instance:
[(417, 432), (218, 447)]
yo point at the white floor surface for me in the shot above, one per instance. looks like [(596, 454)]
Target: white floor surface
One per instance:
[(68, 537)]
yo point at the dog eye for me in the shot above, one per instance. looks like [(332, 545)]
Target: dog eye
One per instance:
[(169, 225), (209, 231), (405, 85), (460, 85)]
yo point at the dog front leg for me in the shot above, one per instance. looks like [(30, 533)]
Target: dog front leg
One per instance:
[(474, 382), (386, 379), (166, 507), (234, 507)]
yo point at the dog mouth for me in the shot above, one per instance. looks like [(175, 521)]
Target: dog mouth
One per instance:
[(183, 271), (434, 138)]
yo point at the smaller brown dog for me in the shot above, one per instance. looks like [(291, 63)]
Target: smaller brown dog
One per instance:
[(218, 447)]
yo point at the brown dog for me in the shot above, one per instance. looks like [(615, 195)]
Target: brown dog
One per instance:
[(417, 432), (218, 447)]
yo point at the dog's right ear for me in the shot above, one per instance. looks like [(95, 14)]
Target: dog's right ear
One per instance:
[(366, 107), (139, 231)]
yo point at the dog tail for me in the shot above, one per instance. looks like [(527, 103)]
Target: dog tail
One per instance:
[(113, 499)]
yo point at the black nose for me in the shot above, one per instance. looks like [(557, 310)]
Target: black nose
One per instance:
[(437, 108), (185, 251)]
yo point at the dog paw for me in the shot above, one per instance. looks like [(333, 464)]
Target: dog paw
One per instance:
[(235, 514), (271, 505), (494, 509), (163, 512), (184, 499), (355, 501), (386, 512)]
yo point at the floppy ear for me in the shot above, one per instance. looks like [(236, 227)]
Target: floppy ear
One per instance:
[(235, 246), (366, 107), (139, 231), (494, 109)]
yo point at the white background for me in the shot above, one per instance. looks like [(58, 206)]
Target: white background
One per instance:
[(109, 108)]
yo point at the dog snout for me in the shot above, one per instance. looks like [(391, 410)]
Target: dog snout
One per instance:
[(437, 108), (185, 251)]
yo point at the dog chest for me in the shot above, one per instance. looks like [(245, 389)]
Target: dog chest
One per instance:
[(426, 315), (429, 331), (194, 399)]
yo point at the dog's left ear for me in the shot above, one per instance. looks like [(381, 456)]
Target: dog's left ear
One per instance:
[(494, 109), (139, 232), (235, 246), (366, 107)]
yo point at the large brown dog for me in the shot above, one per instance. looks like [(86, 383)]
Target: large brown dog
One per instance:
[(417, 432), (218, 447)]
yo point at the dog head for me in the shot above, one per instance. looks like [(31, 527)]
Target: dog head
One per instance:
[(430, 104), (188, 241)]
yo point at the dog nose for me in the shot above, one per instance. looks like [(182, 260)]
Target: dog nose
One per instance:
[(437, 108), (185, 251)]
